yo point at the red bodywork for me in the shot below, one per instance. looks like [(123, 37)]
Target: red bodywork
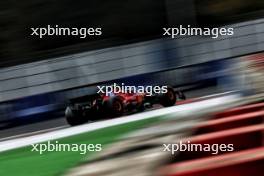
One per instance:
[(127, 98)]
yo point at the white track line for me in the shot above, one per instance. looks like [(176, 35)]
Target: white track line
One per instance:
[(33, 133), (62, 133)]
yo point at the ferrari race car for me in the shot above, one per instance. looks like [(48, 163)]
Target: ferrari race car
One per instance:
[(93, 107)]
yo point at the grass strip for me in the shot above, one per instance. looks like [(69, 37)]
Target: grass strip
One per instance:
[(23, 162)]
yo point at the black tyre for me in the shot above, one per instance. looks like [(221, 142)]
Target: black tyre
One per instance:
[(141, 107), (115, 106), (169, 98), (181, 95), (74, 117)]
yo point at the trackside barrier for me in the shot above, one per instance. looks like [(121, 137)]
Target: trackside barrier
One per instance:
[(240, 110), (244, 163), (241, 139), (230, 122), (242, 127)]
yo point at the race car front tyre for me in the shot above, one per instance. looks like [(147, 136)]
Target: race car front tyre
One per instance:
[(115, 106), (74, 117), (181, 95), (169, 98)]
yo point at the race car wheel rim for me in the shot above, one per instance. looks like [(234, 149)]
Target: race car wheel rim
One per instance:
[(170, 95), (117, 106)]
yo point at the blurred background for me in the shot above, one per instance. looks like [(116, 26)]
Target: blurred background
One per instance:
[(123, 22), (38, 76)]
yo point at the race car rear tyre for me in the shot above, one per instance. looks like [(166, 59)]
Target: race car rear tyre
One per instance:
[(169, 98), (74, 117), (115, 106)]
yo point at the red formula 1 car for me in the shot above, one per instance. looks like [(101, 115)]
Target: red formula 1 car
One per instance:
[(93, 107)]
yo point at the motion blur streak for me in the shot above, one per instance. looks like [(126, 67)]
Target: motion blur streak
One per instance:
[(39, 76)]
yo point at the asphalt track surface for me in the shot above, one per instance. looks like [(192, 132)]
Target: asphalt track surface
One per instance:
[(60, 123)]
